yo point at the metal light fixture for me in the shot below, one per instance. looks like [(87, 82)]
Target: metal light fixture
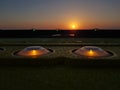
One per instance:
[(92, 51), (33, 51)]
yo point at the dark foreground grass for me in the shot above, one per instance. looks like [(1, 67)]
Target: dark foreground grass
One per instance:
[(59, 74), (58, 78), (60, 61)]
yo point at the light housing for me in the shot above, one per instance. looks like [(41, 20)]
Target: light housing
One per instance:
[(92, 51), (33, 51)]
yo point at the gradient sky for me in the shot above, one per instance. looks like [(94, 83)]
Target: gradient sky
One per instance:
[(52, 14)]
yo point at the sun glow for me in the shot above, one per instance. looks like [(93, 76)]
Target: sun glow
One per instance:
[(73, 26)]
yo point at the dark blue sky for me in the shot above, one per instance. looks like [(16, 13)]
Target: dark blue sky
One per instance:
[(59, 13)]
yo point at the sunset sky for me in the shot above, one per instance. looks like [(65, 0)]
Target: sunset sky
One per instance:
[(62, 14)]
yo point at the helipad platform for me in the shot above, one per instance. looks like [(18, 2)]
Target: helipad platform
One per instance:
[(61, 51)]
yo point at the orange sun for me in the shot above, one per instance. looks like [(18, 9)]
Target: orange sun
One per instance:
[(73, 26)]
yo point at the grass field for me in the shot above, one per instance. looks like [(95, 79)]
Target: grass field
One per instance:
[(59, 78), (61, 69)]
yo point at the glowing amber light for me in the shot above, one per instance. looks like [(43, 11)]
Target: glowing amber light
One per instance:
[(91, 53), (34, 53)]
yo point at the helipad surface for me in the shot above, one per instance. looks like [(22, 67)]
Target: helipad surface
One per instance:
[(62, 49)]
